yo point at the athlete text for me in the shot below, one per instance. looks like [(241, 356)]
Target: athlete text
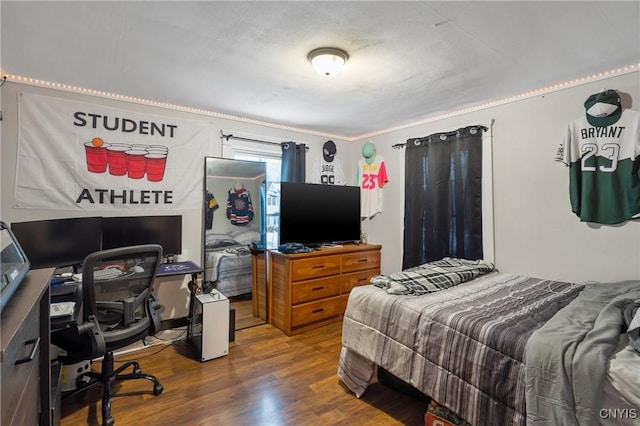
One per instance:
[(112, 196)]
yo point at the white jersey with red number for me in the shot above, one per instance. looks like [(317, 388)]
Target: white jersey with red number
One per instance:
[(371, 178)]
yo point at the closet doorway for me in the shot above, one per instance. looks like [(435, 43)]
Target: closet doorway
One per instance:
[(235, 236)]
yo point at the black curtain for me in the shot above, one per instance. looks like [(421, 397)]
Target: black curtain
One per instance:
[(293, 162), (443, 197)]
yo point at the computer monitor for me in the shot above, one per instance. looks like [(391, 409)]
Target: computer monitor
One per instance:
[(58, 242), (135, 230)]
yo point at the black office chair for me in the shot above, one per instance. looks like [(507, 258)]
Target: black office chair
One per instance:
[(118, 309)]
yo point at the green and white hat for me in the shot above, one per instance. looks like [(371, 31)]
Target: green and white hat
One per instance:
[(603, 109)]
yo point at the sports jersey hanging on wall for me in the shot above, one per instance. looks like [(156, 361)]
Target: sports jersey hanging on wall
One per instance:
[(327, 169), (78, 155), (602, 150), (371, 176), (239, 206)]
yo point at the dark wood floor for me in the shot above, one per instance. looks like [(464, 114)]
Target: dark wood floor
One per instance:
[(244, 313), (267, 379)]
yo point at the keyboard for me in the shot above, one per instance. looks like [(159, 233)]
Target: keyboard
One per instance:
[(102, 274)]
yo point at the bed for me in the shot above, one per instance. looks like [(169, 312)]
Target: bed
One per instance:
[(228, 261), (498, 348)]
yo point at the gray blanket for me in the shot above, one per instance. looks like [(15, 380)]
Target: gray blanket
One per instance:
[(567, 358), (463, 346)]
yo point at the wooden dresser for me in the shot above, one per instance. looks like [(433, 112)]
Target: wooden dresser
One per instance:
[(309, 290), (259, 283)]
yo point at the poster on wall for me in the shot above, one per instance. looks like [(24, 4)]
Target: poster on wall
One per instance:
[(78, 155)]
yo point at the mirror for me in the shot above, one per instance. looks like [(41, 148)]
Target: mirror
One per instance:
[(234, 236)]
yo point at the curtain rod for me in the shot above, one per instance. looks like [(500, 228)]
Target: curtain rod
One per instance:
[(402, 145), (230, 136), (240, 138)]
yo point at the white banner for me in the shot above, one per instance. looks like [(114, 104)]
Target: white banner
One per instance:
[(87, 156)]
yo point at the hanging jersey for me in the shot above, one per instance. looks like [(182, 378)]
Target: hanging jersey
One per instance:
[(371, 178), (327, 173), (604, 163), (210, 205), (239, 207)]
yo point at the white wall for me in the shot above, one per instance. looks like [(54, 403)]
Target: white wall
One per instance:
[(536, 233), (169, 289)]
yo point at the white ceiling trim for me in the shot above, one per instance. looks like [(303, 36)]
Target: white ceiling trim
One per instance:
[(515, 98)]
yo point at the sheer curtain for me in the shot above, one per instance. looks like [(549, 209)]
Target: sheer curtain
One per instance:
[(293, 162), (443, 196)]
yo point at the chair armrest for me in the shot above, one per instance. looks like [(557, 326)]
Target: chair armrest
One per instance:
[(81, 341)]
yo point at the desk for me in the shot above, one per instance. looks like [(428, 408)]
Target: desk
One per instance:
[(72, 291), (170, 290), (179, 268)]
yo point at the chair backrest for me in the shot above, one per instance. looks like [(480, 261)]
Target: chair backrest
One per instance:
[(117, 292)]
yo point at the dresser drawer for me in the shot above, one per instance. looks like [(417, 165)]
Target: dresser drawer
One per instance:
[(306, 291), (359, 261), (25, 413), (20, 369), (315, 311), (315, 267), (355, 279)]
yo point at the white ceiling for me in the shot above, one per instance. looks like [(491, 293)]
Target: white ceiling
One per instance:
[(408, 60)]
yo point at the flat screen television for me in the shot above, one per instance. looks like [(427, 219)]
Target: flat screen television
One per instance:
[(314, 214), (58, 242), (136, 230)]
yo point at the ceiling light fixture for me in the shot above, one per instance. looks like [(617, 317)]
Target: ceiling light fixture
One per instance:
[(328, 60)]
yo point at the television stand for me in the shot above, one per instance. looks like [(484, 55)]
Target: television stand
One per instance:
[(309, 290)]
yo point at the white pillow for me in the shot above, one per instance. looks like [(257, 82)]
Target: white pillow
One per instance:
[(212, 240), (245, 236)]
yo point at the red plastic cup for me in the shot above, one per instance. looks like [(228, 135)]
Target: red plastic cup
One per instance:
[(135, 163), (157, 149), (117, 159), (96, 157), (155, 163)]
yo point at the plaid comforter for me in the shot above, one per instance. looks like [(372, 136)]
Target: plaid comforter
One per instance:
[(463, 346), (433, 276)]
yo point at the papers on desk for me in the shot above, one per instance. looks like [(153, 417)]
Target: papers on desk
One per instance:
[(61, 309)]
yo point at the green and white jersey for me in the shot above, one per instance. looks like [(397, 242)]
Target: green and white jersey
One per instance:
[(604, 163)]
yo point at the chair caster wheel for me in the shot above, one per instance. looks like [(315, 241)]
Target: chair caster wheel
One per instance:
[(157, 389), (108, 421)]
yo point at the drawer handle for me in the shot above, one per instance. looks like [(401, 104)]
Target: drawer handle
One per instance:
[(36, 344), (363, 260), (317, 311), (317, 267), (317, 288), (361, 279)]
